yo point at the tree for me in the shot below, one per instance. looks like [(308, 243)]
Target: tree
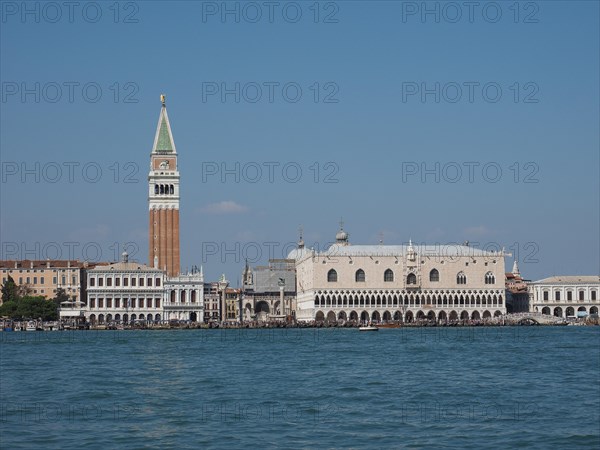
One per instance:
[(61, 296), (29, 308), (10, 290), (24, 290)]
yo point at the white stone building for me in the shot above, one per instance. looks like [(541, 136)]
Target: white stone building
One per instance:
[(129, 292), (184, 297), (565, 296), (398, 282)]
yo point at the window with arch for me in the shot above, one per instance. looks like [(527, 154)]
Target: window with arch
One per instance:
[(332, 276), (156, 188), (359, 276), (388, 275), (489, 278), (461, 278), (434, 275), (171, 190), (411, 279)]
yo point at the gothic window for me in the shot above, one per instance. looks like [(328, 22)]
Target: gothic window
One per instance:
[(388, 275), (490, 278), (461, 278), (411, 279), (359, 277), (332, 276), (434, 275)]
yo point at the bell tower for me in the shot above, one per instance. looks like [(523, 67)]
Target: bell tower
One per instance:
[(163, 198)]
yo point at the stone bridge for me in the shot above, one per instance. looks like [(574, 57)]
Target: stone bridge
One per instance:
[(533, 318)]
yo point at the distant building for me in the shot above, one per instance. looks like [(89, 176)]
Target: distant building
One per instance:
[(129, 291), (121, 292), (232, 304), (126, 292), (211, 301), (517, 294), (565, 296), (184, 296), (398, 282), (45, 277), (262, 290), (221, 301)]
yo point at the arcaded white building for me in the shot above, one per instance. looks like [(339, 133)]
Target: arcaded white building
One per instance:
[(129, 292), (184, 297), (565, 296), (398, 282)]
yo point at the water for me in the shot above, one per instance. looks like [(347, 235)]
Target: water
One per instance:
[(522, 387)]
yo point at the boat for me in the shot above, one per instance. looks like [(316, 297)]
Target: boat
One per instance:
[(388, 325), (31, 326), (368, 328)]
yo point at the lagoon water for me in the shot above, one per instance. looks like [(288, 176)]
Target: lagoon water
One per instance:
[(518, 387)]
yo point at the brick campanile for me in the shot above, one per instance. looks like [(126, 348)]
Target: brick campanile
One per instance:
[(163, 199)]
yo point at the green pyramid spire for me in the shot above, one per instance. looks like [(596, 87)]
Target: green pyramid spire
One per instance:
[(164, 137), (163, 141)]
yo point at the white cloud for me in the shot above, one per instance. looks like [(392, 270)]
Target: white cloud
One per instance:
[(91, 233), (480, 230), (224, 207)]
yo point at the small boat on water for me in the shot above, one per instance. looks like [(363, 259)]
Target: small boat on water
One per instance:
[(31, 326), (388, 325), (368, 328)]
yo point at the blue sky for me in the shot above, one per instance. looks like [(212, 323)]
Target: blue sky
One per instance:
[(368, 139)]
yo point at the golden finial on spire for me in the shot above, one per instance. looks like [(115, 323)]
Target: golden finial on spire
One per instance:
[(163, 98)]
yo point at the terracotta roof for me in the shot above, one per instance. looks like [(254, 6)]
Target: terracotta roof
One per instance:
[(43, 264)]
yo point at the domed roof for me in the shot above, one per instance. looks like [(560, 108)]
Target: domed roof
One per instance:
[(341, 236)]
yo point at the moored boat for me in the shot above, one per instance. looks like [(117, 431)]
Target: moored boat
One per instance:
[(368, 328)]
